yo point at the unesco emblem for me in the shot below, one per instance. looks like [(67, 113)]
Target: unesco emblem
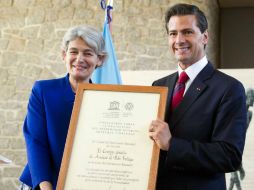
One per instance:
[(129, 106), (114, 105)]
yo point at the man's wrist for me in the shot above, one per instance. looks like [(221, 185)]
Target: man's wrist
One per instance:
[(46, 185)]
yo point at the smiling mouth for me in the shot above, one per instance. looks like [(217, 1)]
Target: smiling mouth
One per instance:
[(182, 49), (80, 67)]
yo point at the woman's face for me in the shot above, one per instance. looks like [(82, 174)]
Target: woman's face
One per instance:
[(80, 60)]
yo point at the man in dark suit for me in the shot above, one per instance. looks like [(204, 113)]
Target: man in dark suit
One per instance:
[(203, 134)]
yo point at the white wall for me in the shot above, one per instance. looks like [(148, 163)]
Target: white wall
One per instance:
[(246, 76)]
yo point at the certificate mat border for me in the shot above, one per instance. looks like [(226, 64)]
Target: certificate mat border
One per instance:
[(163, 91)]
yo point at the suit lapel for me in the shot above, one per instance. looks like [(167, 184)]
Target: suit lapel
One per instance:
[(192, 94), (171, 85), (68, 94)]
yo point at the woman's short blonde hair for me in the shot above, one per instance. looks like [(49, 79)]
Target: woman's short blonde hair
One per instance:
[(92, 37)]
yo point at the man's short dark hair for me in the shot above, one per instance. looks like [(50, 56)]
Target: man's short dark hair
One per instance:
[(186, 9)]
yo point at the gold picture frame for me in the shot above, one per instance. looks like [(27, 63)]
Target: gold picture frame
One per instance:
[(107, 145)]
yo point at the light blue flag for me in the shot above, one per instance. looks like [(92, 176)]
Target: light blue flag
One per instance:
[(109, 72)]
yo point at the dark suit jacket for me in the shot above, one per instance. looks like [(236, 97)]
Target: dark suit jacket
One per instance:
[(208, 129)]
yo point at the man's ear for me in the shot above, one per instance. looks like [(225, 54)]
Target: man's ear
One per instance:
[(205, 37)]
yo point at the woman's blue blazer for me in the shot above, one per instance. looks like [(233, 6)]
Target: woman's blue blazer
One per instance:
[(45, 129)]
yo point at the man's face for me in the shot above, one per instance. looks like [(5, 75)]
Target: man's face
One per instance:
[(80, 60), (186, 40)]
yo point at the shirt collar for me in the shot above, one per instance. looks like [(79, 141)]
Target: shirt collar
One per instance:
[(193, 70)]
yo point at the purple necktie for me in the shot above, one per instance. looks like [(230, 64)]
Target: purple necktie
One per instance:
[(179, 90)]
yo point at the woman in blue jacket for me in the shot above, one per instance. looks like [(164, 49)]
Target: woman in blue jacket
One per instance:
[(50, 106)]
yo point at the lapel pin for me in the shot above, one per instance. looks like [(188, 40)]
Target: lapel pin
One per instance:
[(198, 89)]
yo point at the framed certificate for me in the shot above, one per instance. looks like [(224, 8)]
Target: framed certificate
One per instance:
[(108, 147)]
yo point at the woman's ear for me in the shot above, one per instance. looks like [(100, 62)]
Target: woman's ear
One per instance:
[(63, 52), (99, 63), (101, 59)]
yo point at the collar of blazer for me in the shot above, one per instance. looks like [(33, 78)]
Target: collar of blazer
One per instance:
[(196, 89), (68, 94)]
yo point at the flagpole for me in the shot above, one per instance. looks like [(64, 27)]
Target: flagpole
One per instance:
[(110, 3), (109, 72), (108, 13)]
